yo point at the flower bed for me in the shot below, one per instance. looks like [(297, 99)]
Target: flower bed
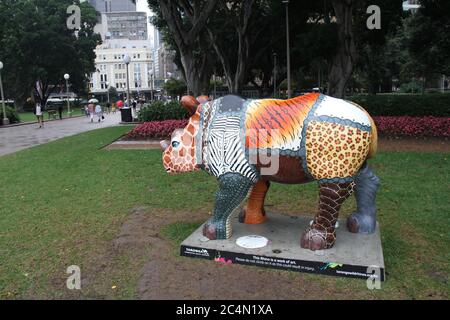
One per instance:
[(413, 126), (406, 126), (155, 129)]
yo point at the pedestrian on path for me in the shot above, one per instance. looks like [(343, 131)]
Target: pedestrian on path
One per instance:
[(60, 111), (39, 112), (99, 112), (91, 109)]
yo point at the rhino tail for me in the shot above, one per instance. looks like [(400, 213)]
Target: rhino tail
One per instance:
[(373, 140)]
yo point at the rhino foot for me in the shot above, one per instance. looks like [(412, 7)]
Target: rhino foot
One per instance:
[(215, 231), (315, 239), (360, 223)]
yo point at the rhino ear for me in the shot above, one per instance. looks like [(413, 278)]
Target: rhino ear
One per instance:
[(190, 103), (203, 99)]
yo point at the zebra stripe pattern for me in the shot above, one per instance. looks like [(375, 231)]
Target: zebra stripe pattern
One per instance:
[(225, 149)]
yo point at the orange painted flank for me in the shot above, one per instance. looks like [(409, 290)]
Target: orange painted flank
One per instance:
[(273, 123)]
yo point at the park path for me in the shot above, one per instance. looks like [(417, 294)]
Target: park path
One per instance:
[(13, 139)]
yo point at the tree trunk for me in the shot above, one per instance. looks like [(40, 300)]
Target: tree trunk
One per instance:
[(236, 74), (196, 70), (344, 59)]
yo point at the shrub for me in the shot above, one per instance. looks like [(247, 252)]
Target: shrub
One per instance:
[(11, 114), (418, 127), (413, 126), (411, 87), (437, 105), (160, 111), (155, 129)]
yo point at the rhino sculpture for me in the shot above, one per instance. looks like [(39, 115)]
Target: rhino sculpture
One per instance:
[(246, 144)]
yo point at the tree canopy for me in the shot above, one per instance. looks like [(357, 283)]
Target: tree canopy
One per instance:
[(37, 46)]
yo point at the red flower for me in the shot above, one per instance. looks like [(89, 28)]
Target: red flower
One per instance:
[(155, 129)]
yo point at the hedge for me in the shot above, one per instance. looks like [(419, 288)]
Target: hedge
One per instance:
[(155, 129), (437, 105), (418, 127), (11, 114), (160, 111)]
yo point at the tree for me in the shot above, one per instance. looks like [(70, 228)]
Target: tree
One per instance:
[(430, 37), (234, 16), (345, 56), (186, 21), (175, 87), (37, 46), (113, 94)]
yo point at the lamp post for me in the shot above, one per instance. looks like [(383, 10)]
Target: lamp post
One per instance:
[(107, 89), (127, 61), (5, 118), (67, 77), (288, 55), (215, 86), (151, 86), (275, 74)]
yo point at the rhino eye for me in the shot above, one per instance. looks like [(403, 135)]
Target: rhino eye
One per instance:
[(175, 144)]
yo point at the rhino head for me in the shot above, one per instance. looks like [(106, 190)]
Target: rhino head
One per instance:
[(179, 152)]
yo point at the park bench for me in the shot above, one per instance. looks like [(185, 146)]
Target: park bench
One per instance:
[(52, 114)]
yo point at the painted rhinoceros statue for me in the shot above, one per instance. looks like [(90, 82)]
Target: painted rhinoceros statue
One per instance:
[(246, 144)]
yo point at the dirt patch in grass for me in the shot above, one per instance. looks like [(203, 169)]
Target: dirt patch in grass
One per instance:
[(160, 273), (142, 261), (415, 145)]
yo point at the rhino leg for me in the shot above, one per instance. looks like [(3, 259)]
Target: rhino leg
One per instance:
[(364, 219), (254, 212), (233, 189), (322, 234)]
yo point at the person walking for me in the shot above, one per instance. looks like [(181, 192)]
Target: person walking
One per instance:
[(108, 108), (60, 111), (91, 110), (39, 112), (113, 108), (99, 112)]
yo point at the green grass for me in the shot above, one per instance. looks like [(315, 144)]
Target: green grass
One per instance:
[(62, 203), (30, 117), (179, 231)]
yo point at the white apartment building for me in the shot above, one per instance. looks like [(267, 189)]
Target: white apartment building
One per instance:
[(112, 71)]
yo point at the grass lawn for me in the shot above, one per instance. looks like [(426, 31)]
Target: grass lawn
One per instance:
[(30, 117), (62, 203)]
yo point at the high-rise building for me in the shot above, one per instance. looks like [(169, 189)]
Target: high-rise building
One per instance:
[(125, 25), (113, 5), (163, 60), (111, 69), (124, 32)]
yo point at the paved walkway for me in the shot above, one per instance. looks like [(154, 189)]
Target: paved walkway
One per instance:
[(13, 139)]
